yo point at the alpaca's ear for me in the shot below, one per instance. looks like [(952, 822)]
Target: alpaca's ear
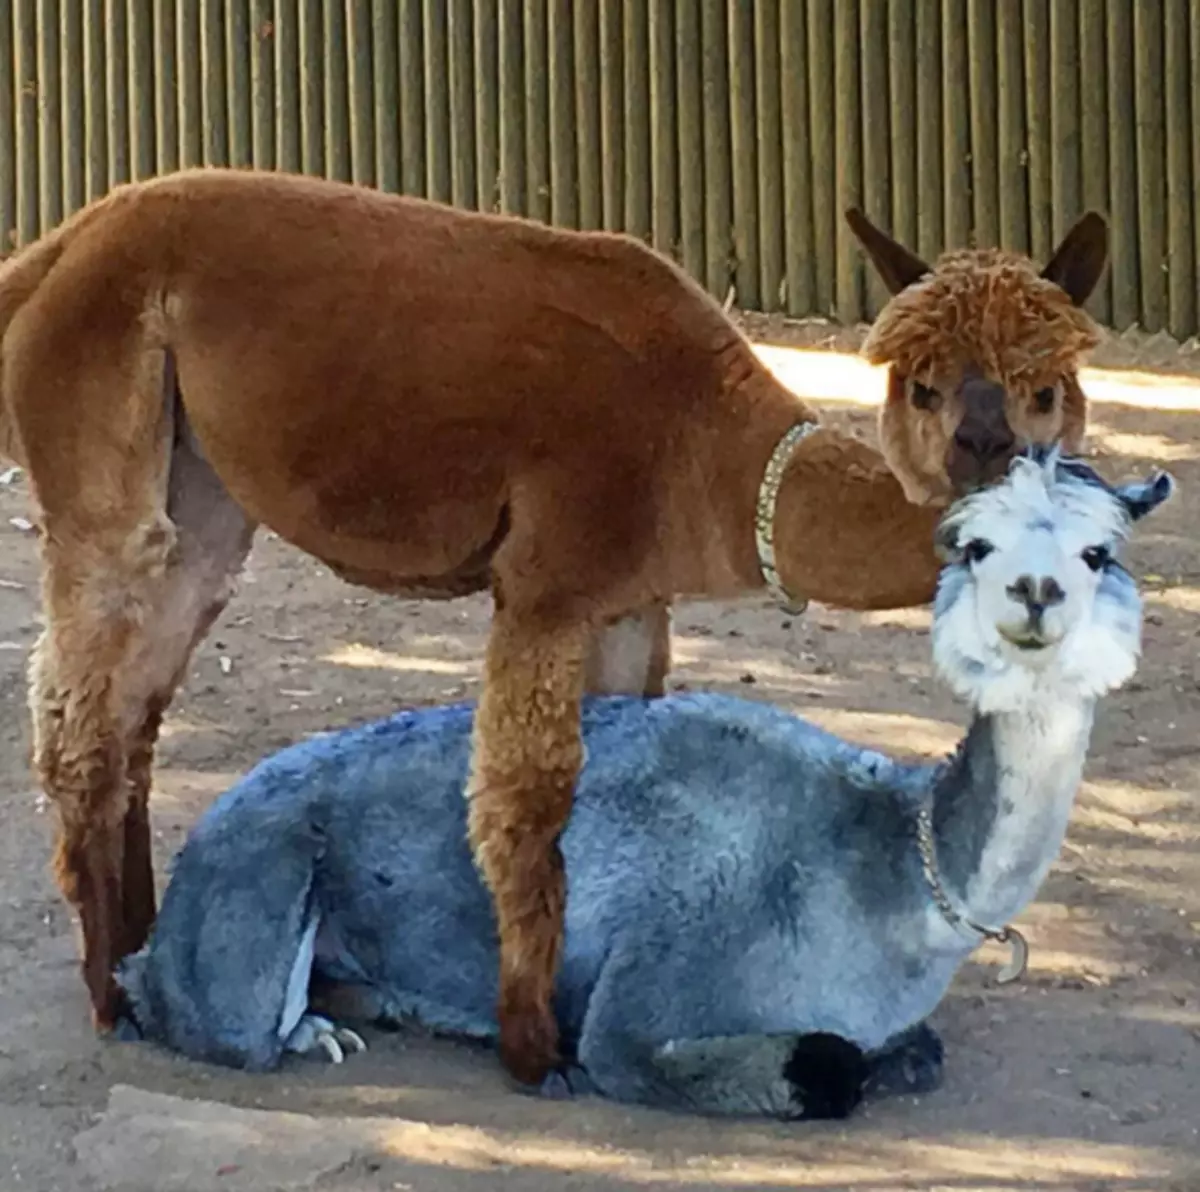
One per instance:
[(897, 267), (1078, 262), (1144, 496)]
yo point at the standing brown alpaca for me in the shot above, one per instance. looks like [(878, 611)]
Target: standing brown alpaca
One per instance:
[(434, 403)]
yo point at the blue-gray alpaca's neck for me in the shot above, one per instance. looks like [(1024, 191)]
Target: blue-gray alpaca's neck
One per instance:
[(1001, 804)]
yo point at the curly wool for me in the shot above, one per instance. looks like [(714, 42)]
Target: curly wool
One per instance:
[(985, 307)]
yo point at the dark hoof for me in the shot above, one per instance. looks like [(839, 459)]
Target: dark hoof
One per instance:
[(566, 1082), (913, 1064), (827, 1074), (126, 1030)]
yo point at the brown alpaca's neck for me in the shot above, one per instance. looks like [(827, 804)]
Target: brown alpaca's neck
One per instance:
[(723, 464), (845, 535)]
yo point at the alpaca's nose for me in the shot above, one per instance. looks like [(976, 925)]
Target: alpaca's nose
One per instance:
[(1037, 594)]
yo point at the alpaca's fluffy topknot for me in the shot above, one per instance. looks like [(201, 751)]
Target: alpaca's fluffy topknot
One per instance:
[(988, 308)]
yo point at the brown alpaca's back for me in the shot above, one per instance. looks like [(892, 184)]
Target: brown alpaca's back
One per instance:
[(380, 379)]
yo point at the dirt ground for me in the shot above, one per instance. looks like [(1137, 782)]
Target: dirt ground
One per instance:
[(1085, 1076)]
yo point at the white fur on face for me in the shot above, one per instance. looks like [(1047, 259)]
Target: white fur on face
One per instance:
[(1039, 524)]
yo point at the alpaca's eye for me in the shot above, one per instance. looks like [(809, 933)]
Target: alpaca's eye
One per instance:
[(977, 550), (924, 397), (1044, 400), (1096, 557)]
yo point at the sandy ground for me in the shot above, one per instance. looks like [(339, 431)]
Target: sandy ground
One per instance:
[(1085, 1076)]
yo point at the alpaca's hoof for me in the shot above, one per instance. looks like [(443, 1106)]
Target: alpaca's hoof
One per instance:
[(566, 1082), (826, 1075), (316, 1034), (126, 1030)]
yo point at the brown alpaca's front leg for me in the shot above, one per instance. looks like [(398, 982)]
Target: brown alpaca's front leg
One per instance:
[(632, 656), (527, 756)]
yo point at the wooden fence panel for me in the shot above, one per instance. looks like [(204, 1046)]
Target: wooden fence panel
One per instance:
[(731, 134)]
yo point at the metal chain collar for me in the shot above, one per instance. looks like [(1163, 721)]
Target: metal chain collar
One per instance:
[(1005, 935), (764, 514)]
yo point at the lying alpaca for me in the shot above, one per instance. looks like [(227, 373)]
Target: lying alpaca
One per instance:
[(436, 402), (751, 928)]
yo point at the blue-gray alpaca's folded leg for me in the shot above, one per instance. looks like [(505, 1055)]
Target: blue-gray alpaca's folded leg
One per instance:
[(909, 1063), (789, 1076), (225, 975)]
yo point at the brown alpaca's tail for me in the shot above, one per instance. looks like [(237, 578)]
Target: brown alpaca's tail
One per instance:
[(20, 276)]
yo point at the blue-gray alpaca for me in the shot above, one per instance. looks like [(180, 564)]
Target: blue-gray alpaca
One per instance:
[(750, 927)]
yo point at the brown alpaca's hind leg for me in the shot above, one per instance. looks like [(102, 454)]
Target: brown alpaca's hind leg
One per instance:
[(79, 750), (213, 538), (527, 756), (632, 656), (125, 605)]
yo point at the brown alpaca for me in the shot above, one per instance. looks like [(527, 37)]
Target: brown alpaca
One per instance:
[(434, 403)]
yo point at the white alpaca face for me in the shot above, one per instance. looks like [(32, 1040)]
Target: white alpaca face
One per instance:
[(1033, 596)]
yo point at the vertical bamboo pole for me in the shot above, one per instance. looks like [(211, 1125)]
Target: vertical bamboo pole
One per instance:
[(312, 86), (689, 96), (956, 113), (1194, 51), (411, 35), (901, 63), (1066, 182), (767, 103), (1093, 86), (25, 39), (587, 110), (386, 75), (166, 87), (1038, 128), (237, 81), (850, 266), (1151, 153), (289, 153), (822, 103), (50, 116), (612, 112), (74, 111), (930, 231), (9, 162), (537, 115), (95, 102), (1122, 166), (664, 221), (1181, 276), (141, 87), (876, 152), (189, 30), (117, 94), (1013, 179), (718, 182), (263, 32), (636, 59), (487, 104), (985, 187), (743, 147), (337, 92), (799, 251), (564, 164), (462, 104), (216, 114), (513, 184), (360, 50)]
